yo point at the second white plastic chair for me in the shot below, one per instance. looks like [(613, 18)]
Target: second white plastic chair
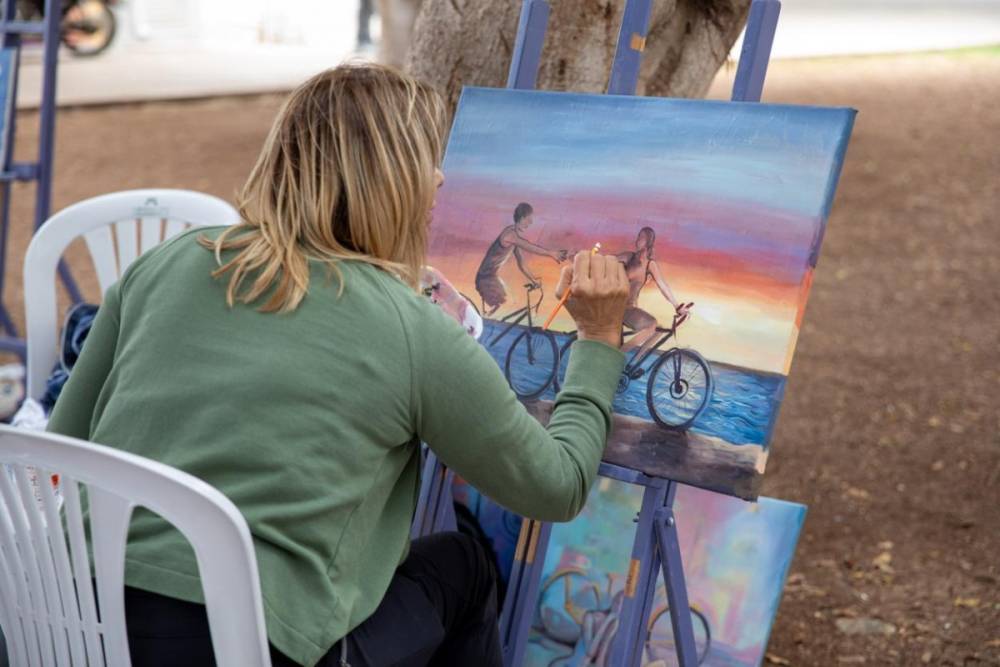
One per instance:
[(117, 228)]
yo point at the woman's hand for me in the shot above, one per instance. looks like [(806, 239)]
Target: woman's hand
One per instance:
[(599, 291)]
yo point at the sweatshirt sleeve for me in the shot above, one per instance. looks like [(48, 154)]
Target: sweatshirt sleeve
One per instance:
[(74, 410), (467, 413)]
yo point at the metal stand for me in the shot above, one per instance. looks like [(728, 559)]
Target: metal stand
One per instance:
[(656, 547), (435, 508), (40, 171)]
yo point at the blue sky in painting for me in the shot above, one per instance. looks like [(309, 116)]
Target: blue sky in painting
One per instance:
[(722, 150)]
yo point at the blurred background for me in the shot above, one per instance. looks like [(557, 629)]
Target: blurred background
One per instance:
[(183, 48), (890, 431)]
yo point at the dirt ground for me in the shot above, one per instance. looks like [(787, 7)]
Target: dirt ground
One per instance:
[(890, 432)]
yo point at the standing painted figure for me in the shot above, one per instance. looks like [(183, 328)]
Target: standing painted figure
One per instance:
[(439, 290)]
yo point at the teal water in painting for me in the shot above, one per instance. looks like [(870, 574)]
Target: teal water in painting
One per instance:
[(742, 408)]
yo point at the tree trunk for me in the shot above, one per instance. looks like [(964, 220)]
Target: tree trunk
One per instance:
[(397, 18), (469, 42)]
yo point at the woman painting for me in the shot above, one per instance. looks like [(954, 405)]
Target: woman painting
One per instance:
[(292, 362)]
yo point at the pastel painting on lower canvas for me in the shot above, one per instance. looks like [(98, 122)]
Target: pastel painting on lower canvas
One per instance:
[(736, 557), (716, 209)]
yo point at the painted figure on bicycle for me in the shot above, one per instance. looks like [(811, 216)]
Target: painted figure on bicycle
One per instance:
[(511, 241), (640, 266)]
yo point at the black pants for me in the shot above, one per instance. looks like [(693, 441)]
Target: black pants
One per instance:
[(440, 609)]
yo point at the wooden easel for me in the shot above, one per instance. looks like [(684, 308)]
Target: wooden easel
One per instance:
[(655, 547), (12, 32)]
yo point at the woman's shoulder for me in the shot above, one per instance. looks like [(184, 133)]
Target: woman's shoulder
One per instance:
[(172, 250)]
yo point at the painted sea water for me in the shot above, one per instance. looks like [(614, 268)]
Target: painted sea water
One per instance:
[(741, 410)]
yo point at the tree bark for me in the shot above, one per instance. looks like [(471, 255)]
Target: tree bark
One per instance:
[(469, 42), (397, 18)]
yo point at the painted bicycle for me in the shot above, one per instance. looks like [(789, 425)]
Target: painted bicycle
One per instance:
[(533, 351), (578, 618), (679, 381)]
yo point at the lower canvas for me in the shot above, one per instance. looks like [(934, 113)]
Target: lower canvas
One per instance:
[(736, 556)]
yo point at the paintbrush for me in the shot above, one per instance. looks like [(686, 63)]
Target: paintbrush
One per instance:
[(565, 296)]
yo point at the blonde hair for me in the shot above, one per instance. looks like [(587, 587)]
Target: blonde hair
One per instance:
[(346, 173)]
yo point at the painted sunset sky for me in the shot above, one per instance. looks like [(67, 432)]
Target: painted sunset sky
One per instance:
[(738, 195)]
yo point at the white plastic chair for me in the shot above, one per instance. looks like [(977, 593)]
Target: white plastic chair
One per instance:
[(117, 228), (49, 622)]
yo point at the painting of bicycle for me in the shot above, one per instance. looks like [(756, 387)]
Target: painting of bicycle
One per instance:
[(735, 561), (718, 228)]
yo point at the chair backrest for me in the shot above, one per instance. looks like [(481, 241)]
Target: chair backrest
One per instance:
[(117, 228), (48, 611)]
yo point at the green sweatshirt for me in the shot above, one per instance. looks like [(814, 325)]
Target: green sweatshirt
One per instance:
[(310, 422)]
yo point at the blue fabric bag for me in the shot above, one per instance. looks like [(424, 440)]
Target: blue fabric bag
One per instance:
[(79, 319)]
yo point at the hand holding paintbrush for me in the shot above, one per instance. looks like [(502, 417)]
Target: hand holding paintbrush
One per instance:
[(595, 292), (562, 300)]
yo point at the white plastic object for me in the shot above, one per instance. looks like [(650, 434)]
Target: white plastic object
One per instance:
[(117, 228), (44, 621)]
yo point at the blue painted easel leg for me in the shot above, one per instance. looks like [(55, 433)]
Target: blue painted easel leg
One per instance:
[(631, 43), (429, 485), (47, 134), (41, 171), (640, 582), (10, 40), (756, 52), (522, 592), (673, 575), (6, 322), (443, 518), (528, 44)]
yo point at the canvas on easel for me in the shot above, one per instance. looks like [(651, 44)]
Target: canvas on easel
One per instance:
[(716, 209), (736, 559)]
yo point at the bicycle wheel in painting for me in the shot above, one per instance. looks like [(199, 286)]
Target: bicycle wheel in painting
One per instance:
[(679, 388), (531, 363)]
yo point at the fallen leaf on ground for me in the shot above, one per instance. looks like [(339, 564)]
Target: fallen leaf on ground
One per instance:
[(970, 603), (865, 626), (860, 494), (773, 659), (882, 562), (885, 545), (926, 657)]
